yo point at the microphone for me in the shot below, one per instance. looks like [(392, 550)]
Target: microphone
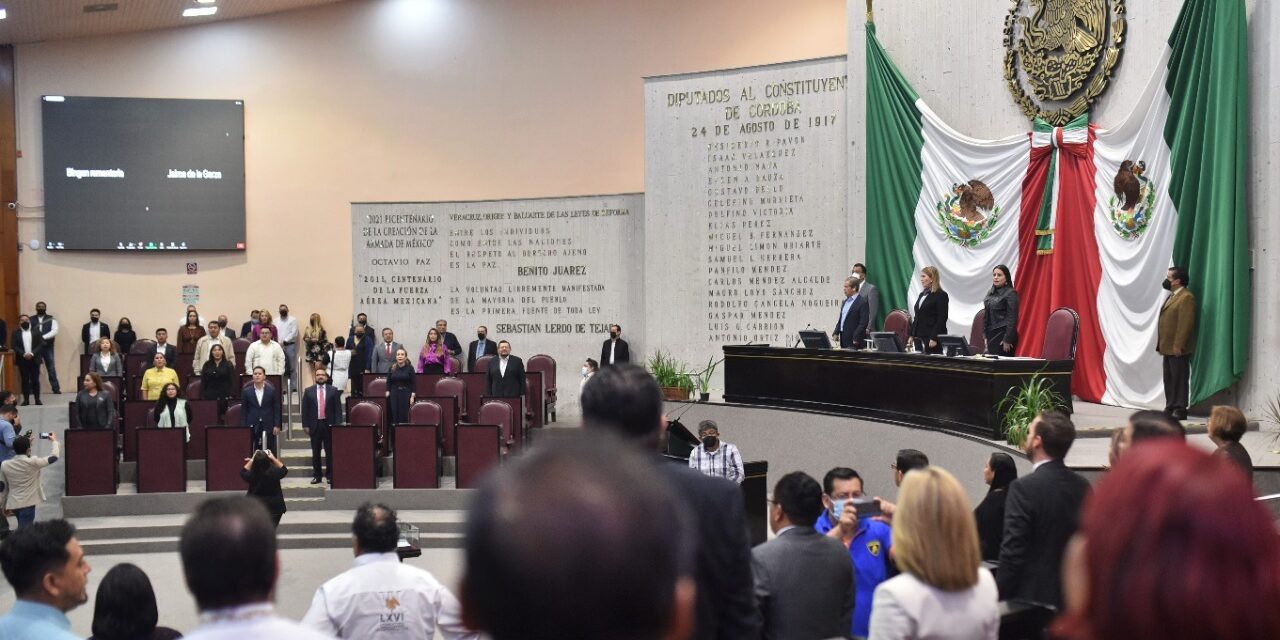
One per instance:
[(799, 339)]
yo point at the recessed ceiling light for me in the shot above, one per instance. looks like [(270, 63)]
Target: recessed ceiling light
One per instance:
[(206, 1), (196, 12), (4, 13)]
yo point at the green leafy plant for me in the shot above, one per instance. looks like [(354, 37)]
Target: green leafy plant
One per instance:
[(703, 378), (669, 372), (1271, 413), (1022, 404)]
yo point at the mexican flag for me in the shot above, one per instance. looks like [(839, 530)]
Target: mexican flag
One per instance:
[(1085, 217)]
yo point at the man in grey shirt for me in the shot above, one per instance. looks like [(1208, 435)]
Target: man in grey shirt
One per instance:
[(803, 579)]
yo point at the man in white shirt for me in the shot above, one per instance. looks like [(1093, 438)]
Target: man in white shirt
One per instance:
[(288, 327), (230, 563), (28, 348), (265, 353), (380, 597), (206, 342)]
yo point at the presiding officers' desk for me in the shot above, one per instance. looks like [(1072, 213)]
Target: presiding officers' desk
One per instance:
[(957, 393)]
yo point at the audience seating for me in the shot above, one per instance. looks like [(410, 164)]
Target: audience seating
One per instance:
[(369, 412), (899, 322), (142, 346), (354, 455), (226, 448), (241, 347), (546, 365), (136, 415), (978, 338), (457, 364), (194, 386), (162, 468), (1061, 332), (535, 400), (479, 450), (204, 413), (89, 462), (482, 363), (232, 417), (508, 413), (418, 447), (376, 387), (456, 388), (448, 407)]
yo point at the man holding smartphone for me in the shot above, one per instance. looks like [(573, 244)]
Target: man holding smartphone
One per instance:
[(20, 476), (849, 518)]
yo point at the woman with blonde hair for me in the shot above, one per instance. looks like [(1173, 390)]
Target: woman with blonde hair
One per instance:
[(316, 340), (931, 312), (264, 322), (943, 591)]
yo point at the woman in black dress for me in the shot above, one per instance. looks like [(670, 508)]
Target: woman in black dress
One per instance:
[(125, 337), (217, 378), (263, 472), (999, 473), (400, 389), (931, 312), (1000, 317), (95, 408)]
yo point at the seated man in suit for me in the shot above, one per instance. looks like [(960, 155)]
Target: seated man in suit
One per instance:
[(855, 316), (480, 347), (321, 407), (260, 409), (804, 581), (505, 376)]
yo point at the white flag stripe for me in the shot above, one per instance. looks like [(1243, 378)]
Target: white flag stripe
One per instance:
[(1130, 294), (949, 157)]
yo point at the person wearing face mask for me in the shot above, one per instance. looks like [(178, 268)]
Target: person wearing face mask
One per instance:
[(93, 330), (28, 348), (48, 327), (1000, 320), (868, 540), (480, 347), (246, 329), (230, 333), (287, 334), (1176, 340), (615, 350), (589, 369), (715, 457), (125, 337), (359, 347)]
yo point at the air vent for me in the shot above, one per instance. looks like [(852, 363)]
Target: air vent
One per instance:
[(100, 7)]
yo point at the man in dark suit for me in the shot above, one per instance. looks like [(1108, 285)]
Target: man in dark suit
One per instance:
[(625, 400), (93, 330), (260, 409), (851, 324), (246, 329), (163, 347), (320, 409), (505, 376), (480, 347), (28, 349), (1041, 514), (450, 341), (803, 579), (383, 354), (360, 345), (229, 332), (1176, 340), (615, 350)]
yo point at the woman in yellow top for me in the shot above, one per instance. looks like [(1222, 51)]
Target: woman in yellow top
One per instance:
[(155, 378)]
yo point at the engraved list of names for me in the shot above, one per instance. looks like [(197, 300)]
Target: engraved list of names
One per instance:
[(745, 196)]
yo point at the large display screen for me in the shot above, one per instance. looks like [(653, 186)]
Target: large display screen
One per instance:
[(141, 174)]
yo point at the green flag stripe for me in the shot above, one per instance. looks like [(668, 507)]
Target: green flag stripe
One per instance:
[(1207, 133), (894, 142)]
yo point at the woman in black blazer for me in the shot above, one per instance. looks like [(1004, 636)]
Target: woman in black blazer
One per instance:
[(999, 473), (931, 312), (1000, 316), (263, 472), (95, 408)]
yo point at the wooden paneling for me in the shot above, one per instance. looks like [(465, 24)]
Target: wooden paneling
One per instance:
[(8, 214)]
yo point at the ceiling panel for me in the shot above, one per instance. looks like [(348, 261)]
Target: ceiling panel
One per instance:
[(38, 20)]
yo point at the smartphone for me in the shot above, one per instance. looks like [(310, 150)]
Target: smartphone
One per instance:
[(867, 507), (45, 435)]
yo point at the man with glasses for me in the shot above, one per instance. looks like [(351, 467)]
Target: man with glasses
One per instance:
[(869, 541)]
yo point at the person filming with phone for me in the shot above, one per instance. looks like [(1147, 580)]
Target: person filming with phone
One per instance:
[(850, 518), (21, 490)]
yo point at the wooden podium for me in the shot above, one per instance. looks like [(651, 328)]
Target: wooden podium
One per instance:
[(162, 465), (204, 413), (354, 451), (225, 451), (136, 415), (89, 462), (417, 456)]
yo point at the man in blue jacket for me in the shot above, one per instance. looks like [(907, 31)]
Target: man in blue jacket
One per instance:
[(869, 541)]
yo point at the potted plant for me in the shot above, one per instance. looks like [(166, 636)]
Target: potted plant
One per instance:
[(671, 376), (702, 380), (1022, 404)]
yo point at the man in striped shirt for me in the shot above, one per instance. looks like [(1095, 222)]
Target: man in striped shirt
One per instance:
[(715, 457)]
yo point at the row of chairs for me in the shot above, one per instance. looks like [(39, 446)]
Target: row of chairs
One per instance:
[(139, 359), (1062, 331)]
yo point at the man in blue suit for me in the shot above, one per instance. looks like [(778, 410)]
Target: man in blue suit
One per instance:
[(855, 315), (260, 409)]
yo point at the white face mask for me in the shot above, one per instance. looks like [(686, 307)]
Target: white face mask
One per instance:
[(585, 371)]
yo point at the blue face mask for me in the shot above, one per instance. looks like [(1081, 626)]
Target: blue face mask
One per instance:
[(837, 508)]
